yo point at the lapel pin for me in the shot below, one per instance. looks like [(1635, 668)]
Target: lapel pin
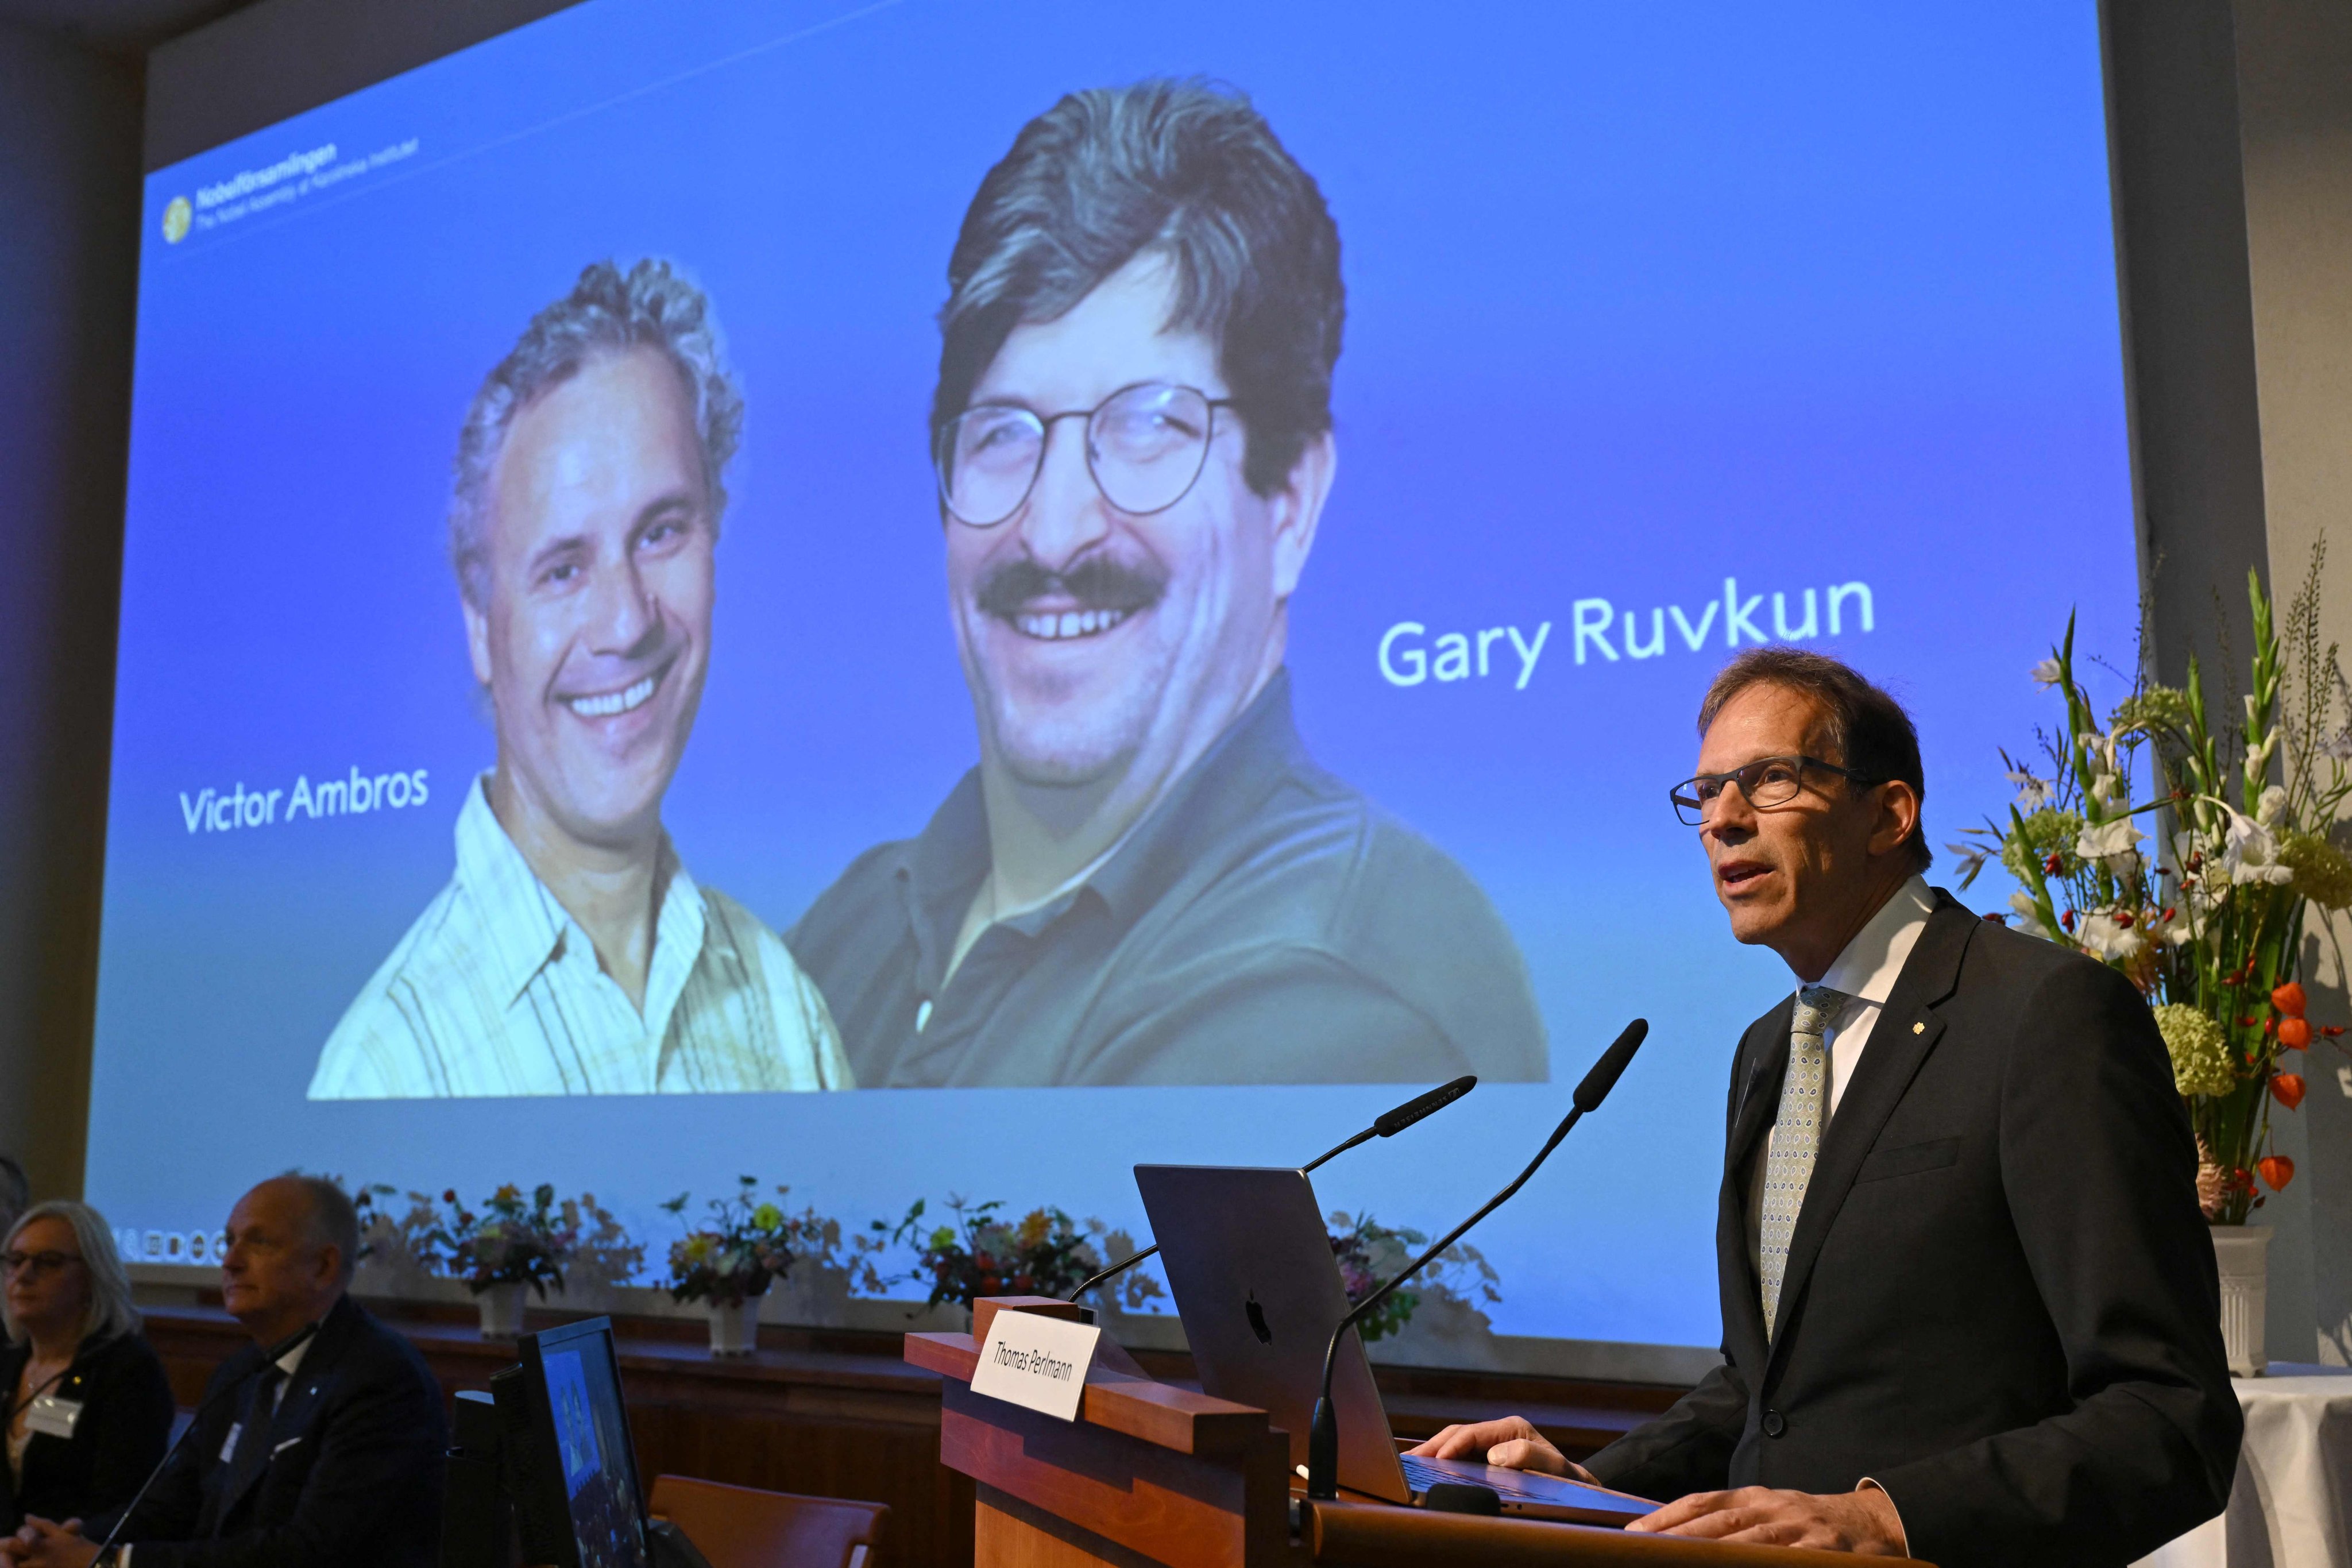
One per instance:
[(1918, 1028)]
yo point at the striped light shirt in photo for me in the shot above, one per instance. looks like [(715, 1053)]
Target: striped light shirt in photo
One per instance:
[(495, 990)]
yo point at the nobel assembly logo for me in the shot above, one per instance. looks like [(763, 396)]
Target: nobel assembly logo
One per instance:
[(247, 181), (177, 218)]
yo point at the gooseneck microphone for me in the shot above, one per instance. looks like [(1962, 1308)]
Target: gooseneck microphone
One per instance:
[(276, 1353), (1388, 1124), (1323, 1440)]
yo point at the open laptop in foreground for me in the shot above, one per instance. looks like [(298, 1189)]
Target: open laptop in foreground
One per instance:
[(1259, 1292)]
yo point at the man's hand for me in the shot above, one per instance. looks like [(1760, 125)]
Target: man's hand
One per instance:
[(1863, 1521), (44, 1544), (1511, 1443)]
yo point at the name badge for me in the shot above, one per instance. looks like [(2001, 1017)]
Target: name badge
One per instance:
[(1036, 1362), (52, 1416)]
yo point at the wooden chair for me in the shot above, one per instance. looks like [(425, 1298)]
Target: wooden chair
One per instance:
[(741, 1527)]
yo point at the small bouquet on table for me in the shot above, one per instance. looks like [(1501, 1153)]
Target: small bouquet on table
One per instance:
[(748, 1244), (508, 1247), (985, 1252), (2196, 887)]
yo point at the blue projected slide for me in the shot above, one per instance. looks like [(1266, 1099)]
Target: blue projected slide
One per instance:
[(941, 598)]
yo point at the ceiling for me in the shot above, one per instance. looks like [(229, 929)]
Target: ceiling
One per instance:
[(117, 26)]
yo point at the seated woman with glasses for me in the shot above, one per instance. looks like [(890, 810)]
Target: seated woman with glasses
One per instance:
[(89, 1411)]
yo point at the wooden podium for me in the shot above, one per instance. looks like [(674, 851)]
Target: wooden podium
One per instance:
[(1150, 1474)]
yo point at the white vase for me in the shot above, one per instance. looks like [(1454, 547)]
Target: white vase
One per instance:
[(502, 1310), (735, 1327), (2241, 1252)]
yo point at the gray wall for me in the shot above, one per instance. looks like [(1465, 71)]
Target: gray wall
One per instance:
[(2295, 108), (68, 250), (2230, 130)]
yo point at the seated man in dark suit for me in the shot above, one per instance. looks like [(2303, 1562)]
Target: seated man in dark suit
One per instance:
[(321, 1443), (1970, 1308)]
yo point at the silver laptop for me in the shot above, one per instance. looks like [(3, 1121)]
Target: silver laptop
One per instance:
[(1259, 1292)]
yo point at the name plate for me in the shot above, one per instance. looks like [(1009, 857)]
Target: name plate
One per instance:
[(1037, 1363), (52, 1416)]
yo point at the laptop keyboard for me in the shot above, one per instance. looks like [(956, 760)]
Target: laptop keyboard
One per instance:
[(1421, 1476)]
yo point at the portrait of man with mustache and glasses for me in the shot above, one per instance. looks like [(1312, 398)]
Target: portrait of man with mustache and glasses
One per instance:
[(1147, 880), (571, 954)]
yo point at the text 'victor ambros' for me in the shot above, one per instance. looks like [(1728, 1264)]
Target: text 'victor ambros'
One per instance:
[(224, 811)]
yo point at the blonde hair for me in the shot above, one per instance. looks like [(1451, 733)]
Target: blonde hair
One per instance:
[(110, 1312)]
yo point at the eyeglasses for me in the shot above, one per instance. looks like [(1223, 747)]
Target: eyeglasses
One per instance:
[(1146, 446), (1766, 782), (35, 1263)]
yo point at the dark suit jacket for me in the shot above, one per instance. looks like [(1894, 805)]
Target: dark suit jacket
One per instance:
[(126, 1420), (348, 1471), (2000, 1301)]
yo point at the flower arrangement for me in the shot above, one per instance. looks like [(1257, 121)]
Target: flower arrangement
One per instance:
[(1370, 1252), (748, 1243), (510, 1242), (423, 1240), (1043, 1253), (2210, 927)]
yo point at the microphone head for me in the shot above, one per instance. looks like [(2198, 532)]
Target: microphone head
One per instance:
[(1611, 1066), (1392, 1122)]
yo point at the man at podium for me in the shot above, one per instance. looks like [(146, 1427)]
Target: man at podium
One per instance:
[(1969, 1309)]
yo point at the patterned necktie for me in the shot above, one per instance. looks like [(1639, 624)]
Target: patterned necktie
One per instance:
[(1795, 1137)]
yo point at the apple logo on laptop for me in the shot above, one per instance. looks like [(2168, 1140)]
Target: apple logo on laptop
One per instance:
[(1257, 1320)]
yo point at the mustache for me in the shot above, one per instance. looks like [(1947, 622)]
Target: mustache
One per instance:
[(1098, 582)]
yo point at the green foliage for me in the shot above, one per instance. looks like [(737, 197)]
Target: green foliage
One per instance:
[(748, 1244), (2193, 883), (2322, 872), (2199, 1048), (2037, 837), (1370, 1252), (1044, 1253), (512, 1241), (2152, 712)]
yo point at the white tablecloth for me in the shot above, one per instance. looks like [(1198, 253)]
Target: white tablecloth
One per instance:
[(2292, 1499)]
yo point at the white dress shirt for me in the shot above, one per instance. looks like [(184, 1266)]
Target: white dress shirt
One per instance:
[(495, 990)]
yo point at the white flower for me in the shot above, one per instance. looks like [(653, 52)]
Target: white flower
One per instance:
[(2032, 794), (2049, 672), (2111, 933), (2272, 803), (2250, 853), (2109, 789), (2111, 843), (2181, 931), (2258, 757), (2029, 914)]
